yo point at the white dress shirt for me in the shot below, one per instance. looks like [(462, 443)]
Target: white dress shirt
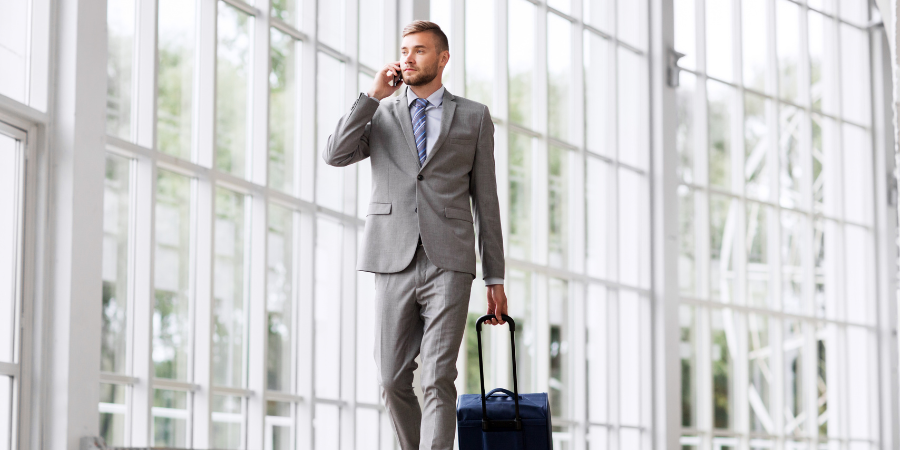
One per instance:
[(433, 113)]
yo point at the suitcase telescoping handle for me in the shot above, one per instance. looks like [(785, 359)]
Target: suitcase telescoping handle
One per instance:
[(487, 424)]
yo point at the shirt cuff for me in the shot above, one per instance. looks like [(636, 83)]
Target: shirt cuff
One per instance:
[(493, 280)]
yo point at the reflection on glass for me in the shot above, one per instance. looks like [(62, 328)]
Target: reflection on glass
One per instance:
[(757, 242), (794, 403), (756, 147), (174, 98), (558, 160), (480, 51), (329, 235), (229, 312), (559, 347), (284, 141), (760, 364), (521, 62), (597, 356), (687, 253), (787, 21), (170, 415), (721, 99), (520, 147), (755, 41), (684, 133), (790, 168), (371, 33), (120, 42), (289, 11), (597, 216), (226, 421), (723, 379), (280, 298), (793, 226), (719, 52), (171, 312), (596, 105), (722, 226), (329, 109), (233, 90), (688, 352), (331, 24), (112, 413), (559, 68), (116, 219)]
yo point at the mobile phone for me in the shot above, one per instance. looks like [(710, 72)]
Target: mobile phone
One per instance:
[(396, 80)]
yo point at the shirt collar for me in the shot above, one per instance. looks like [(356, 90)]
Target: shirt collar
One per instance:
[(436, 98)]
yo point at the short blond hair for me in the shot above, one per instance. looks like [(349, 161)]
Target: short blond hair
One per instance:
[(418, 26)]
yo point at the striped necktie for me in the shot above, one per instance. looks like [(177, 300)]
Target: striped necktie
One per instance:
[(418, 120)]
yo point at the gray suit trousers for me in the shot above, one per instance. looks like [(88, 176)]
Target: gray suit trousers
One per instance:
[(420, 309)]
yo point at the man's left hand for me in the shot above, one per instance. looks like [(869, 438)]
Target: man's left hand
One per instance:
[(496, 300)]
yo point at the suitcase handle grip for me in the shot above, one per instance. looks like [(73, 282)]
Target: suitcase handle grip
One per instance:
[(503, 391), (485, 422)]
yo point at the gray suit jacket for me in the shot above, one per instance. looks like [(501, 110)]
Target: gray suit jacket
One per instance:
[(432, 200)]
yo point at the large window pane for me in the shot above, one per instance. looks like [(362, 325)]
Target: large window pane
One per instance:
[(289, 11), (596, 89), (685, 138), (857, 165), (171, 313), (170, 419), (226, 421), (795, 414), (174, 99), (822, 62), (14, 41), (480, 51), (229, 311), (521, 62), (793, 227), (329, 109), (632, 109), (233, 65), (722, 226), (520, 214), (331, 23), (278, 426), (559, 320), (329, 236), (371, 33), (757, 242), (11, 209), (559, 160), (630, 329), (633, 246), (792, 125), (787, 21), (597, 13), (116, 220), (687, 253), (112, 414), (630, 22), (367, 388), (284, 126), (687, 323), (756, 147), (280, 295), (597, 354), (755, 43), (723, 379), (760, 364), (597, 216), (719, 52), (854, 66), (120, 41), (720, 104), (685, 31), (519, 285), (559, 69)]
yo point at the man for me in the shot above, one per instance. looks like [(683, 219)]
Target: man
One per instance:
[(430, 152)]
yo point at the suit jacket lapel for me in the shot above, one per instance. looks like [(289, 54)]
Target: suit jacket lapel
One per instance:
[(401, 112)]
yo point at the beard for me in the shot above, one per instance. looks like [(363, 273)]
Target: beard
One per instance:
[(421, 77)]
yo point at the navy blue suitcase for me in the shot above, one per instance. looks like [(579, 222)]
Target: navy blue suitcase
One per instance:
[(503, 420)]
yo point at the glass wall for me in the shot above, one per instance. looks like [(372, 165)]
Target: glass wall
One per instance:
[(568, 89), (777, 256)]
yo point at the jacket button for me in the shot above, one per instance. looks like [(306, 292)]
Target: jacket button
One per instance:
[(420, 177)]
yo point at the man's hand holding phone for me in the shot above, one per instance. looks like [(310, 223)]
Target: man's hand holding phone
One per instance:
[(387, 81)]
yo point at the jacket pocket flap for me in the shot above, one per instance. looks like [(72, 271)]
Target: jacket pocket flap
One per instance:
[(379, 208), (461, 141), (456, 213)]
